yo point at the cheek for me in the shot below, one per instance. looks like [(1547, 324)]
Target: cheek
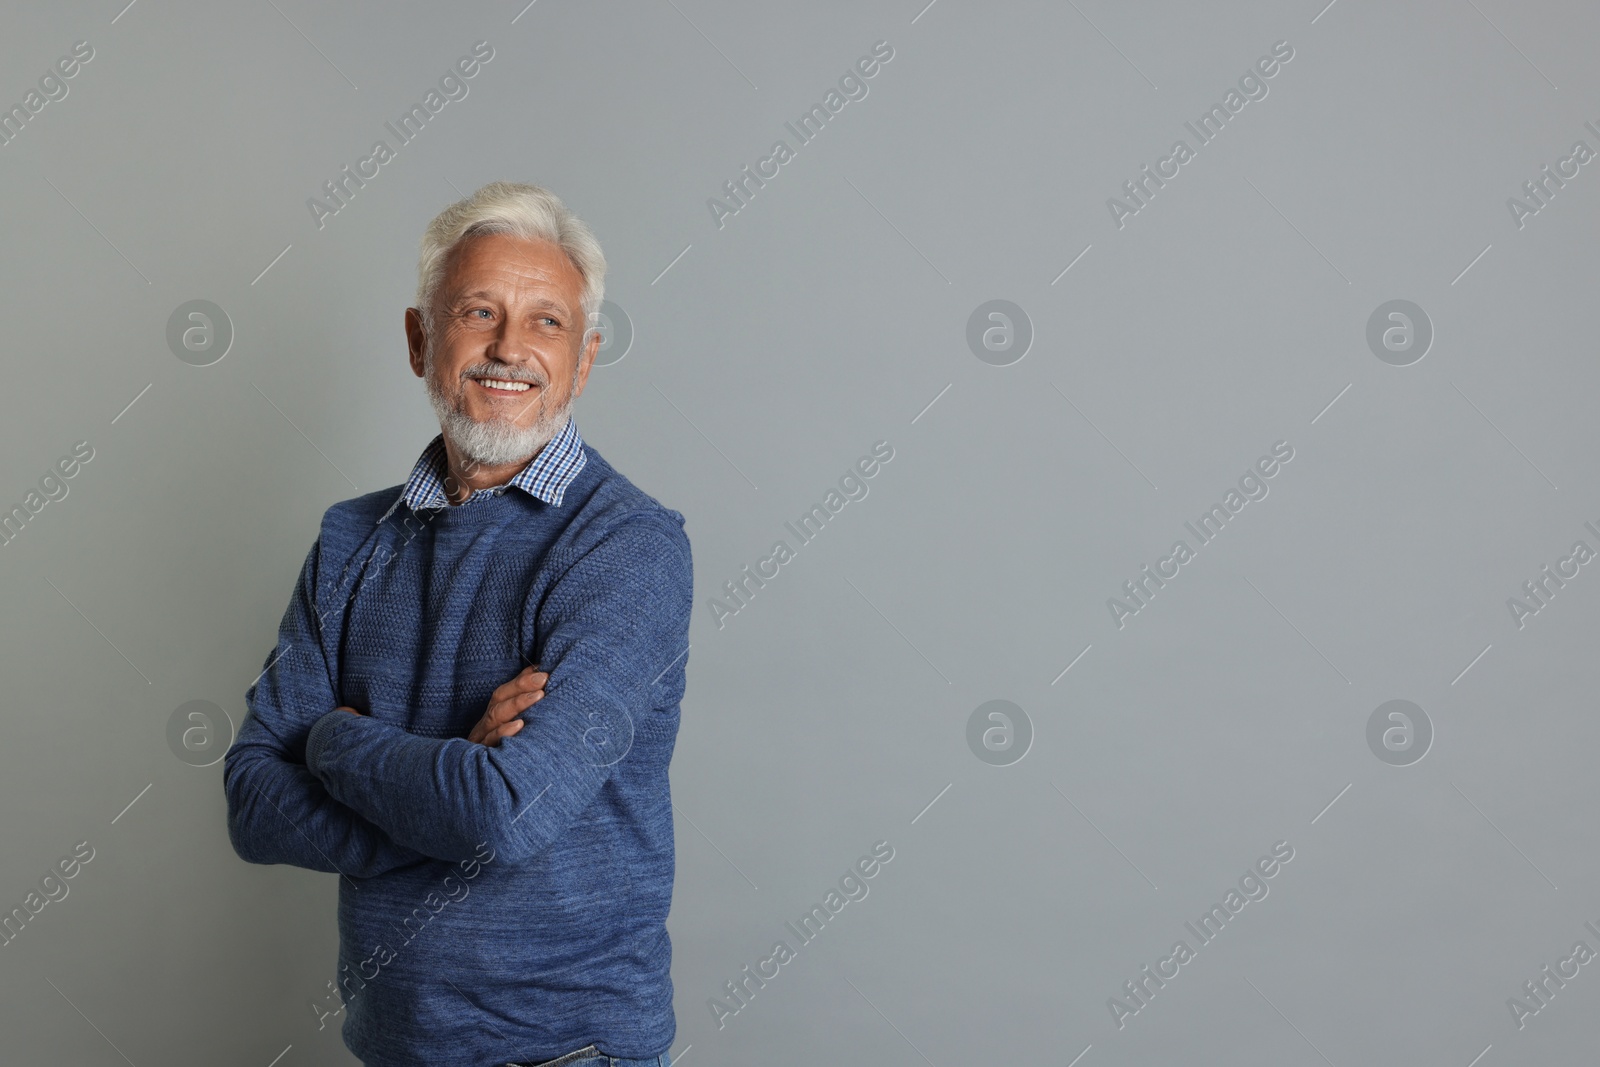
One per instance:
[(455, 349), (558, 360)]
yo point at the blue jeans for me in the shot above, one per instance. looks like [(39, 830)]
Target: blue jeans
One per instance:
[(589, 1056)]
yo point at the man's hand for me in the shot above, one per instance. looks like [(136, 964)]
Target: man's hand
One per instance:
[(507, 703)]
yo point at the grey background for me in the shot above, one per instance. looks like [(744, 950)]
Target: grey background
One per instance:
[(829, 314)]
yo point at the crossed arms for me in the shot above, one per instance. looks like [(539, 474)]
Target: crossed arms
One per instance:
[(310, 784)]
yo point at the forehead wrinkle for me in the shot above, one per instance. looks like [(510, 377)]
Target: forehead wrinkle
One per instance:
[(516, 250), (531, 277), (537, 302)]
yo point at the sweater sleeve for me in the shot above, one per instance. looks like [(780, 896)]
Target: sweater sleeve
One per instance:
[(612, 624), (278, 812)]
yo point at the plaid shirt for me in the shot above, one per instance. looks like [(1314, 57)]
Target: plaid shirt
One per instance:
[(546, 476)]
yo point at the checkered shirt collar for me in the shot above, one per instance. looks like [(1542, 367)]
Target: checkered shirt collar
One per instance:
[(546, 476)]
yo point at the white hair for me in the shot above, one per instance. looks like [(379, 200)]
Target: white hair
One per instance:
[(521, 210)]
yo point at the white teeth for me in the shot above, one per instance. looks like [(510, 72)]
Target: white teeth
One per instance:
[(501, 383)]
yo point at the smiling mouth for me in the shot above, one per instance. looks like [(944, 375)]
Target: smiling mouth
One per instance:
[(503, 386)]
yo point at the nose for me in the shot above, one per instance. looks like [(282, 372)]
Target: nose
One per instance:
[(512, 345)]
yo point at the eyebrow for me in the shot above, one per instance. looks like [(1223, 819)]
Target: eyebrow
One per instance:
[(542, 302)]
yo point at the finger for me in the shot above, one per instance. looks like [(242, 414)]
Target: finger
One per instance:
[(502, 711), (517, 701), (505, 689), (495, 736), (508, 696), (530, 679), (511, 698), (498, 712)]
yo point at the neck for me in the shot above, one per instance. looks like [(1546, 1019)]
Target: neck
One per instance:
[(467, 475)]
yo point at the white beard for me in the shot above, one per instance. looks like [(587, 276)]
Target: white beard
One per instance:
[(497, 441)]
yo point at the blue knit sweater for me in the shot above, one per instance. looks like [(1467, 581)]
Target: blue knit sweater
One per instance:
[(504, 903)]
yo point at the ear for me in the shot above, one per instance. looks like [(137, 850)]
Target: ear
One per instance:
[(586, 359), (416, 340)]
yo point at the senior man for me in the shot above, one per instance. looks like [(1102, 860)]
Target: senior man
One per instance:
[(475, 691)]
